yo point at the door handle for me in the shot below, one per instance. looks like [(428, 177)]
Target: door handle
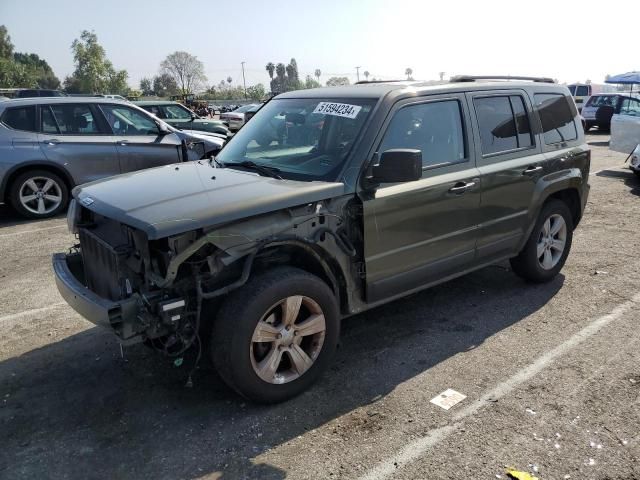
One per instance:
[(532, 169), (461, 187), (53, 141)]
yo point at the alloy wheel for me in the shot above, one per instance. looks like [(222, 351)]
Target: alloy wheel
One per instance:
[(288, 339), (40, 195), (551, 241)]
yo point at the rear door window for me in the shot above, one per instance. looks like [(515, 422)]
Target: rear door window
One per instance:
[(48, 121), (20, 118), (503, 123), (74, 119), (556, 118)]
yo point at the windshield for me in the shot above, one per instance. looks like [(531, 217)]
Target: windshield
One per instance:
[(305, 139)]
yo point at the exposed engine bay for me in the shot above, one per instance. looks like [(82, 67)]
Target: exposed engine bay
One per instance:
[(171, 281)]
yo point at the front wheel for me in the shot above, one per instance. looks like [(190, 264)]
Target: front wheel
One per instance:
[(546, 251), (273, 338)]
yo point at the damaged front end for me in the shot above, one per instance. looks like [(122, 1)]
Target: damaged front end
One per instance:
[(156, 290)]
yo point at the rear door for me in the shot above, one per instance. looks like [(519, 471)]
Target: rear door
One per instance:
[(419, 232), (138, 140), (73, 135), (510, 163)]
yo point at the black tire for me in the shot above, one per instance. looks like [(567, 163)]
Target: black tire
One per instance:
[(587, 126), (637, 173), (233, 329), (527, 264), (59, 185)]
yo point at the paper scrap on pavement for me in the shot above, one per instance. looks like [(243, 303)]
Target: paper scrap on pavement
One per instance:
[(448, 399)]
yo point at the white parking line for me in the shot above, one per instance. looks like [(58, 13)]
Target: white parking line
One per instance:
[(30, 231), (25, 313), (416, 449)]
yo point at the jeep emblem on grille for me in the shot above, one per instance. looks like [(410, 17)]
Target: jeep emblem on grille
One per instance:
[(86, 201)]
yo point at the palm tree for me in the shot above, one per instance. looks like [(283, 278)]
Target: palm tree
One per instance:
[(270, 68), (280, 71), (366, 75), (317, 74), (229, 80), (408, 72)]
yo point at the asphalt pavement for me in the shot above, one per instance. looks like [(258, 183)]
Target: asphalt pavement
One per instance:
[(550, 372)]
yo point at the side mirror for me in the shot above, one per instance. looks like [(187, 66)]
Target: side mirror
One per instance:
[(398, 165)]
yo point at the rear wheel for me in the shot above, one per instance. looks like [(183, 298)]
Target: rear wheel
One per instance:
[(273, 338), (587, 126), (39, 194), (546, 251)]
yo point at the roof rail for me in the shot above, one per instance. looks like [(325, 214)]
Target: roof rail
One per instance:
[(473, 78), (363, 82)]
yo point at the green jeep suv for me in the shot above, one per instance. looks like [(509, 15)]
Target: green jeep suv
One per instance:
[(329, 202)]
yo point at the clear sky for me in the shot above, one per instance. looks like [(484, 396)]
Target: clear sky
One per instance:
[(565, 39)]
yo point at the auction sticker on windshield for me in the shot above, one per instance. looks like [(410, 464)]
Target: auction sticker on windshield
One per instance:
[(338, 109)]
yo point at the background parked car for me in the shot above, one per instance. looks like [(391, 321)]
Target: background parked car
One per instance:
[(181, 117), (50, 145), (36, 92), (600, 108), (237, 118), (580, 93)]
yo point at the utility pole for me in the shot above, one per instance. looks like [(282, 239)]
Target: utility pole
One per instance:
[(244, 82), (358, 73)]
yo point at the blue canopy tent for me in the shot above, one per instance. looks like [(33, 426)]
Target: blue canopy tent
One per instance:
[(629, 78)]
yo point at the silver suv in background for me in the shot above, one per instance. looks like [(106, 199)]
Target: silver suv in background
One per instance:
[(50, 145)]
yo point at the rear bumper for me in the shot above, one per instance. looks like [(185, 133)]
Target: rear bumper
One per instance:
[(69, 275)]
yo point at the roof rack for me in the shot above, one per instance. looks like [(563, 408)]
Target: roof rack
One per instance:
[(362, 82), (473, 78)]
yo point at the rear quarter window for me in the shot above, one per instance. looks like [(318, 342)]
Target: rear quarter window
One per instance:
[(556, 118), (20, 118)]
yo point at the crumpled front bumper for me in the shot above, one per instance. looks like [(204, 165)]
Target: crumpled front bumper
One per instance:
[(69, 274)]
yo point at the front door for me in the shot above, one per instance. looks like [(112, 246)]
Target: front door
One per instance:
[(138, 139), (423, 231), (71, 135)]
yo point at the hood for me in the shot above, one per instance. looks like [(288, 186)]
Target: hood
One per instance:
[(176, 198)]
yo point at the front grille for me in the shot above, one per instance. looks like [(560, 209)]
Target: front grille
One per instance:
[(102, 263)]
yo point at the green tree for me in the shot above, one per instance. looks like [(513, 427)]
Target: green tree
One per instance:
[(309, 82), (23, 69), (317, 73), (256, 92), (337, 81), (408, 72), (270, 69), (164, 85), (38, 70), (366, 75), (186, 70), (94, 73), (6, 47), (146, 87)]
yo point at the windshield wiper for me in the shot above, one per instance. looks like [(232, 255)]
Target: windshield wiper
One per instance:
[(249, 165)]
